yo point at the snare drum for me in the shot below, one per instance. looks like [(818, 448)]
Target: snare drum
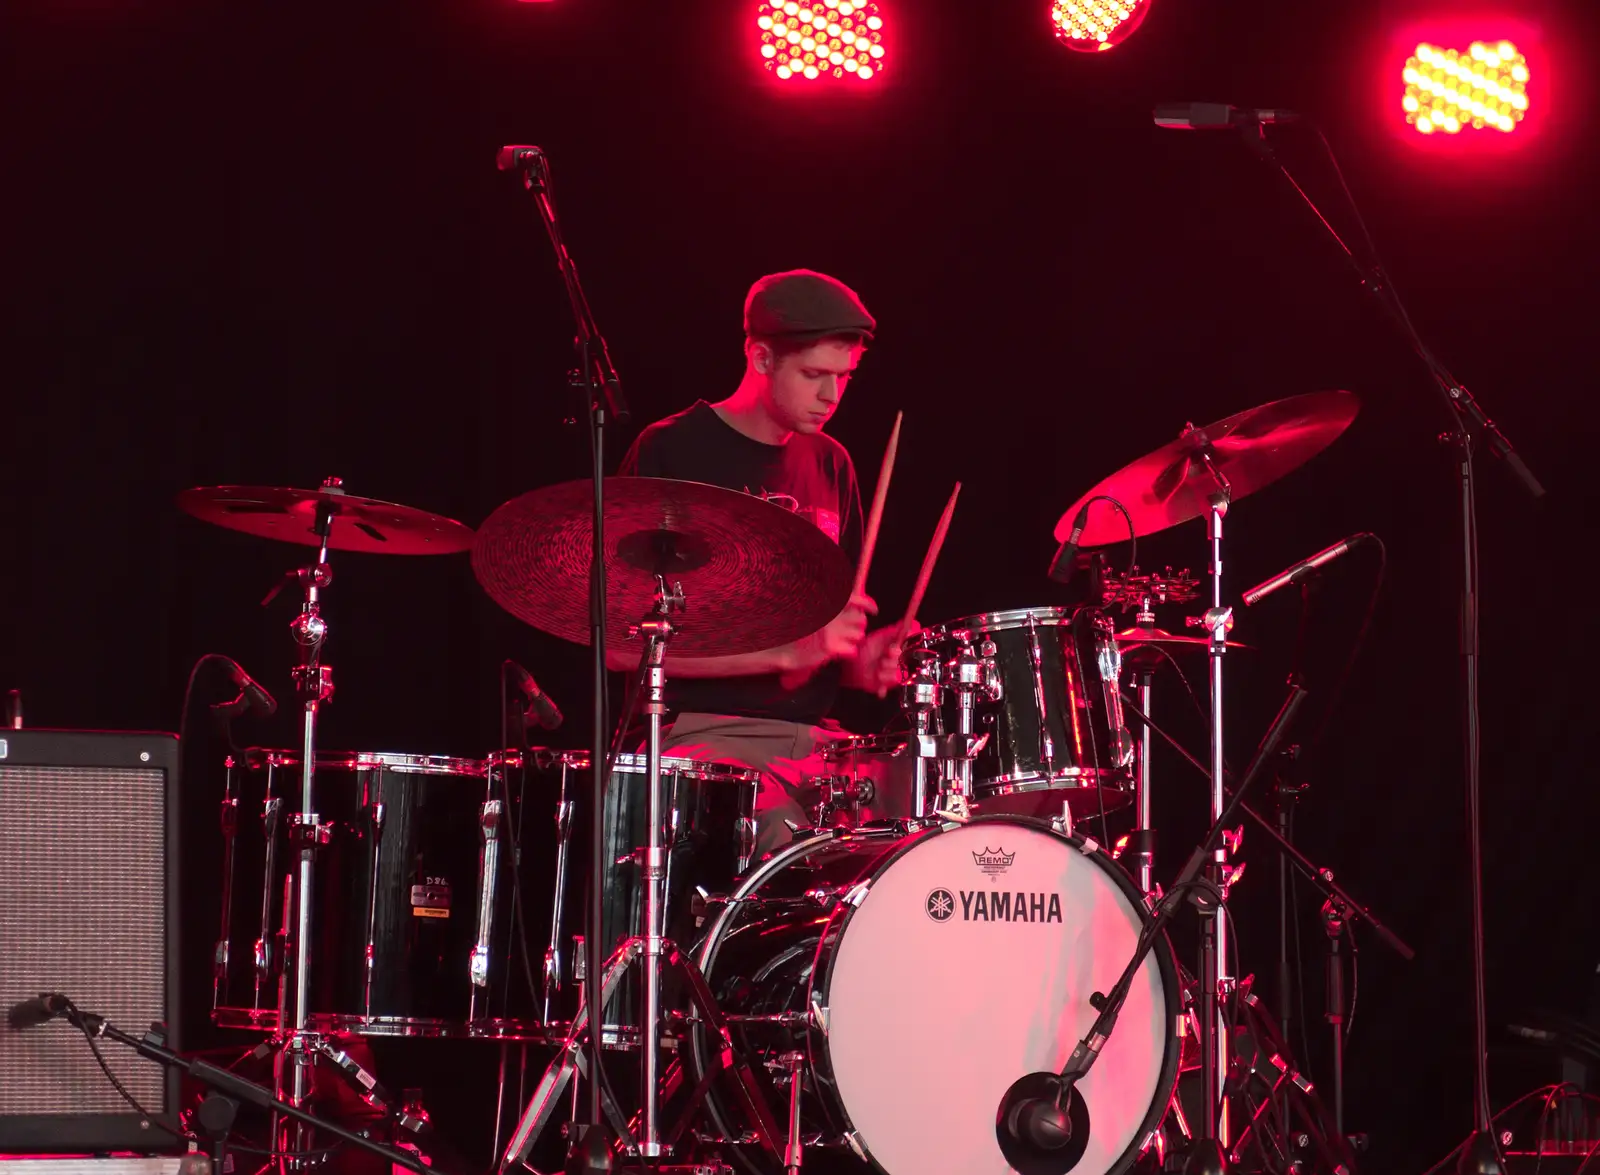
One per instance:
[(407, 894), (918, 976), (1056, 726)]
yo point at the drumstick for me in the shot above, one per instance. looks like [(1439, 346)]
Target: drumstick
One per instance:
[(879, 493), (928, 562)]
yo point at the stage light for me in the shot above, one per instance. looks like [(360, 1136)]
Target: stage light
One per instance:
[(1448, 91), (1091, 26), (827, 39)]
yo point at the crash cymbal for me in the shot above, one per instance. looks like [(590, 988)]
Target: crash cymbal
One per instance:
[(1140, 635), (754, 575), (359, 524), (1247, 451)]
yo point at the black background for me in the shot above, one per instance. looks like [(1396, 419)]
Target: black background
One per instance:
[(264, 244)]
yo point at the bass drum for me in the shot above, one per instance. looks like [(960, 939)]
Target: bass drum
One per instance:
[(920, 976)]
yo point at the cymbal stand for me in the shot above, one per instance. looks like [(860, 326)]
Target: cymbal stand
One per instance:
[(1213, 1128), (650, 947), (313, 683), (1142, 839), (657, 630)]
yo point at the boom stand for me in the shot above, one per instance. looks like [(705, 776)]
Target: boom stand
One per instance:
[(1052, 1093), (651, 946), (602, 390), (1213, 1129), (1469, 426)]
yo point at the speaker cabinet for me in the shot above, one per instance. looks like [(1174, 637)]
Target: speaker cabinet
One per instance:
[(88, 908)]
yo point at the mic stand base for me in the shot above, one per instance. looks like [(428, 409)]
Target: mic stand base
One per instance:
[(590, 1154), (1205, 1158), (1480, 1155)]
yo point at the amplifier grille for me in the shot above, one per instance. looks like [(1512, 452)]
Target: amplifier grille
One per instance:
[(82, 911)]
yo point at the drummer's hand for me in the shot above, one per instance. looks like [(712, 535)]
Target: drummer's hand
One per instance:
[(839, 641), (876, 665)]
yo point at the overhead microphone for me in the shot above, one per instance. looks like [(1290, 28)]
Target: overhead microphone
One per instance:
[(515, 157), (1298, 571), (1217, 116), (252, 696), (545, 713), (1063, 565)]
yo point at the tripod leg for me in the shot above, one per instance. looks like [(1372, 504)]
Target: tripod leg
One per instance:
[(750, 1094), (542, 1106)]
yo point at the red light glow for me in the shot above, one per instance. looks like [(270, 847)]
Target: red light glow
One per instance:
[(1091, 26), (835, 39), (1448, 91)]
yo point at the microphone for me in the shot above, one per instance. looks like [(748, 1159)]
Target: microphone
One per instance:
[(1063, 565), (1040, 1122), (1216, 116), (252, 696), (514, 158), (39, 1010), (1301, 569), (545, 713), (1041, 1126)]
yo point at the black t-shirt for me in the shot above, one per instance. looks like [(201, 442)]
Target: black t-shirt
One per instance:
[(811, 475)]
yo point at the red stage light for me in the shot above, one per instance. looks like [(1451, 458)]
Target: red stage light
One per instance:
[(1091, 26), (826, 39), (1447, 90)]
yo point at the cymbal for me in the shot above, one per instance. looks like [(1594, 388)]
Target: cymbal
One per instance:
[(1140, 637), (754, 575), (359, 524), (1249, 450)]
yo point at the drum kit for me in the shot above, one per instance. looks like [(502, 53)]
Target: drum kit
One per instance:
[(868, 994)]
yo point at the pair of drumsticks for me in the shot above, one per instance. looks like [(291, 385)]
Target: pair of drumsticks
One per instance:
[(875, 518)]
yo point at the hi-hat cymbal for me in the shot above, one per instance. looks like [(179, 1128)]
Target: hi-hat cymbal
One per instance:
[(1142, 636), (359, 524), (754, 575), (1236, 457)]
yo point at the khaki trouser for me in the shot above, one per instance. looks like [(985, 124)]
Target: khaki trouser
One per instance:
[(785, 753)]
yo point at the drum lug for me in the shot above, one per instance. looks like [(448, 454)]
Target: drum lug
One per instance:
[(488, 876), (857, 895), (853, 1140), (819, 1014)]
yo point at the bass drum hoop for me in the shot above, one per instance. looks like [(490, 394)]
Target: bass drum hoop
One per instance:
[(816, 1044)]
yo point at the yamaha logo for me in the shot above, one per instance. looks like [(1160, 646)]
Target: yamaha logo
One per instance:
[(941, 905)]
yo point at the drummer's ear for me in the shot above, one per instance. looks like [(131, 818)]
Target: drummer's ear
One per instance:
[(762, 358)]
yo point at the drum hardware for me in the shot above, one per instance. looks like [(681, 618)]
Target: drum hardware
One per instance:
[(1340, 910), (1039, 1112), (650, 947), (919, 698), (572, 1058)]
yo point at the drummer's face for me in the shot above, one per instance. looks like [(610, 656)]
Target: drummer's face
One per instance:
[(804, 388)]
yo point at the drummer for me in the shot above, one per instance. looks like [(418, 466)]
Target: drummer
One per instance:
[(805, 333)]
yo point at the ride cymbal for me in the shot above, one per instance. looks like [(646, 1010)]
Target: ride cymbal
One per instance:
[(754, 575)]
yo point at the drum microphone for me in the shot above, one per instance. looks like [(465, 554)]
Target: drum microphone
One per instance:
[(251, 697), (546, 715), (1040, 1120), (1303, 568), (1065, 562), (1216, 116), (39, 1010)]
